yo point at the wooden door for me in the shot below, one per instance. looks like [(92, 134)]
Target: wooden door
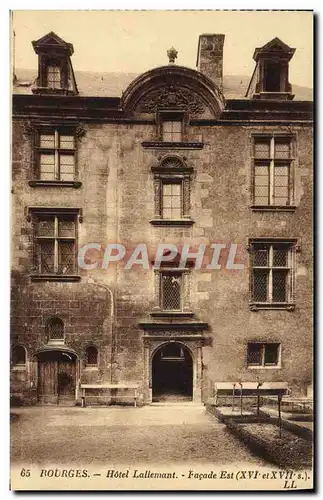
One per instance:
[(47, 381), (56, 378), (66, 380)]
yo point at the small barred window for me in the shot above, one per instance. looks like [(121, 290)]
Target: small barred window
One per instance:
[(55, 328), (18, 355), (91, 356)]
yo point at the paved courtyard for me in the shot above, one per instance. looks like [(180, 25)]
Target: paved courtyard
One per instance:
[(152, 434)]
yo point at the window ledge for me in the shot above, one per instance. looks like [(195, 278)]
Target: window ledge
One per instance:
[(171, 222), (55, 277), (254, 306), (264, 367), (273, 208), (19, 368), (52, 91), (56, 183), (91, 369), (280, 96), (172, 314), (172, 145)]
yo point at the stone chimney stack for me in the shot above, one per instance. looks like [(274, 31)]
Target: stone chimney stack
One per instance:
[(210, 57)]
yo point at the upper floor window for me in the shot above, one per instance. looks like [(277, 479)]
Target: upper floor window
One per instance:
[(18, 356), (55, 330), (172, 178), (172, 130), (272, 76), (171, 125), (263, 355), (53, 75), (171, 284), (55, 71), (55, 243), (272, 273), (273, 158), (172, 199), (56, 155)]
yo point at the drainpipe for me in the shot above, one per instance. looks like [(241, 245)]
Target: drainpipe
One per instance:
[(111, 317)]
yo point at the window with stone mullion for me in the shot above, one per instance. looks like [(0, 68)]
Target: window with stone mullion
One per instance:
[(56, 156), (272, 168), (56, 245), (271, 273)]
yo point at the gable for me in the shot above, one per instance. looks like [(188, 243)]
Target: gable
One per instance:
[(51, 40), (274, 47)]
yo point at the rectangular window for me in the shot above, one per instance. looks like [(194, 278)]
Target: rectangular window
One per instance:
[(263, 354), (56, 156), (55, 244), (172, 200), (171, 291), (272, 268), (53, 76), (272, 171), (172, 130)]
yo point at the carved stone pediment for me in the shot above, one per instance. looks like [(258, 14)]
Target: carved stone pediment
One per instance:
[(174, 88), (171, 97)]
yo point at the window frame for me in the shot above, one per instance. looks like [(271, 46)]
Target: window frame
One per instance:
[(262, 365), (172, 169), (87, 365), (171, 272), (293, 247), (52, 341), (166, 181), (35, 214), (171, 115), (272, 161), (57, 129), (18, 366), (53, 63), (173, 268)]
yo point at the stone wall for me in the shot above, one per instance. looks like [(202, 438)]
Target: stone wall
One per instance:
[(117, 198)]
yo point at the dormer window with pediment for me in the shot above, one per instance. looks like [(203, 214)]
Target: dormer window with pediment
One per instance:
[(55, 70), (270, 77)]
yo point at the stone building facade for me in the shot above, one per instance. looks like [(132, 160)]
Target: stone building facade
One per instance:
[(171, 160)]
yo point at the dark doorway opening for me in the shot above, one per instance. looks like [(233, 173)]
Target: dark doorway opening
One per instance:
[(56, 378), (172, 373)]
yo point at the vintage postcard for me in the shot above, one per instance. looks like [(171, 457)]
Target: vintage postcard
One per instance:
[(161, 281)]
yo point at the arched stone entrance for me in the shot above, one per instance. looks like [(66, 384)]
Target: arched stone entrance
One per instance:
[(190, 387), (57, 375), (172, 373)]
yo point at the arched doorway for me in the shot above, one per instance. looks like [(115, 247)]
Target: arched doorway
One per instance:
[(56, 376), (172, 373)]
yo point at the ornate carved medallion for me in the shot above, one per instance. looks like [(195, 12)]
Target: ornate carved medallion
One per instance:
[(172, 96)]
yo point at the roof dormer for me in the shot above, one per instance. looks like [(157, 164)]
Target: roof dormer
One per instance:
[(270, 77), (55, 70)]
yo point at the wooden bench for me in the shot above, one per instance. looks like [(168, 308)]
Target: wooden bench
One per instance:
[(110, 387)]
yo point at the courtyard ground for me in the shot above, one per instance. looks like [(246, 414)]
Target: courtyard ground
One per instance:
[(151, 434)]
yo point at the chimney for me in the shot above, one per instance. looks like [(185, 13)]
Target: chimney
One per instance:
[(210, 57)]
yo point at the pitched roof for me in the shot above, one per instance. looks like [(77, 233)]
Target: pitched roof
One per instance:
[(53, 40), (275, 45), (97, 84)]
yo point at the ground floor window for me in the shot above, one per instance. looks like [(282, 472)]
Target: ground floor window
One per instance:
[(263, 354), (91, 356), (18, 356)]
